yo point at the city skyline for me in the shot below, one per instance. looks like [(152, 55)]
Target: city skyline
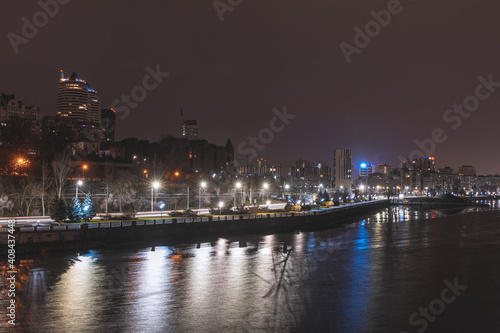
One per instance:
[(213, 78)]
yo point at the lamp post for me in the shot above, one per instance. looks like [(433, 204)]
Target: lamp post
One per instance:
[(287, 187), (202, 185), (220, 207), (78, 183), (107, 196), (154, 186), (162, 205), (85, 167), (265, 186), (238, 185)]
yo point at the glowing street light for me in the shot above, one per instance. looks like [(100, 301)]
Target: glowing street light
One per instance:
[(237, 185), (154, 186), (220, 207), (203, 184), (265, 186), (78, 183)]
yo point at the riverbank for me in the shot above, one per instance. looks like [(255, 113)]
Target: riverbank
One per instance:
[(83, 236)]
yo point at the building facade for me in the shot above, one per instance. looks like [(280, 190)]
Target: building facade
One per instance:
[(316, 172), (189, 128), (342, 168), (108, 123), (11, 108), (467, 170), (77, 100)]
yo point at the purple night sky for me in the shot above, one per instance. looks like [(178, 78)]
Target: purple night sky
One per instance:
[(230, 74)]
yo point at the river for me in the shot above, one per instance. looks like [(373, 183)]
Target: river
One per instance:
[(396, 270)]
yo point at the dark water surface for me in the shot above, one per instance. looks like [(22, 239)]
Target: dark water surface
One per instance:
[(370, 275)]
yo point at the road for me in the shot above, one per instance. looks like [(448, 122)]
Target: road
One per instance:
[(27, 221)]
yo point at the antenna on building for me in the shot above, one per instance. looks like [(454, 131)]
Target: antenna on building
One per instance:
[(62, 74)]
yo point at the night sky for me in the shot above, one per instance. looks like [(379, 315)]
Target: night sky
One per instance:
[(229, 75)]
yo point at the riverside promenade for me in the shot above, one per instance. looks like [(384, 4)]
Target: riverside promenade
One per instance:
[(85, 235)]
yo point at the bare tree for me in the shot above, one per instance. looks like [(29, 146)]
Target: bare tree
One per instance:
[(46, 183), (60, 168), (5, 202), (123, 187), (24, 192)]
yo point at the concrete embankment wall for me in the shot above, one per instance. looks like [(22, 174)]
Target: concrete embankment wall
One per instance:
[(98, 234)]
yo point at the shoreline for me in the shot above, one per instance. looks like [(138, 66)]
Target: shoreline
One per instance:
[(96, 235)]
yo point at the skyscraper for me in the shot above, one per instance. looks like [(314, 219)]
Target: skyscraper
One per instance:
[(94, 105), (108, 122), (342, 168), (77, 100)]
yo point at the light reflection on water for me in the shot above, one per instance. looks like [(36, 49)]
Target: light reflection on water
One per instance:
[(368, 276)]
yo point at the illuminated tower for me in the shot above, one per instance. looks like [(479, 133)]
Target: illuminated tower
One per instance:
[(77, 100)]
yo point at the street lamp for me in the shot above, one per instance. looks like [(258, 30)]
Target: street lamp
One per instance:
[(220, 207), (154, 186), (78, 183), (265, 186), (162, 205), (85, 167), (202, 185), (238, 185)]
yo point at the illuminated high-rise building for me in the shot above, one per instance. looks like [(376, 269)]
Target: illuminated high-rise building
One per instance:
[(94, 105), (77, 100), (342, 168)]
